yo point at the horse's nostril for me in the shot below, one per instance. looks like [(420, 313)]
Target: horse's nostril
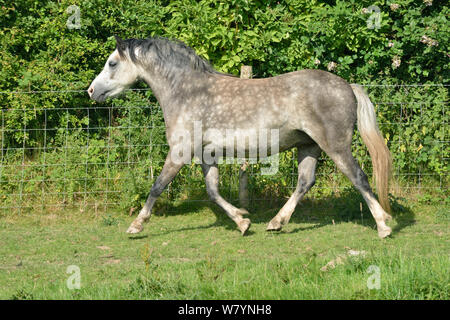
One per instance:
[(91, 91)]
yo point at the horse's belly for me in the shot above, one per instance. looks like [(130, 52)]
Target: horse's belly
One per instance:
[(252, 143)]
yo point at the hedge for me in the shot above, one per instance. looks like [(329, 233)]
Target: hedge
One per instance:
[(407, 43)]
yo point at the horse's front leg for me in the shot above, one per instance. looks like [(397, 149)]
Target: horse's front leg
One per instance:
[(169, 171), (211, 173)]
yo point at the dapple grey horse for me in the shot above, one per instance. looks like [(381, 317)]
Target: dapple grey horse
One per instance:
[(311, 110)]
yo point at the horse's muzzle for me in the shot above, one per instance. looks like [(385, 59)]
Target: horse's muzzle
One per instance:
[(97, 93)]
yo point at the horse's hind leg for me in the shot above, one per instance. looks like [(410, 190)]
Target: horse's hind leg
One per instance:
[(307, 161), (350, 167), (211, 173)]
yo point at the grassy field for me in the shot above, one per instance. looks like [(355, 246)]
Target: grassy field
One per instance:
[(191, 250)]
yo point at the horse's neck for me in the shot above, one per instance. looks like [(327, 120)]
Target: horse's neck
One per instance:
[(171, 95)]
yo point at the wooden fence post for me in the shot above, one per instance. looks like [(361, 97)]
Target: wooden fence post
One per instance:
[(246, 73)]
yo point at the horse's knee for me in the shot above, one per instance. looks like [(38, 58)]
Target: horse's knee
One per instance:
[(305, 183), (311, 182), (361, 181), (156, 190), (213, 195)]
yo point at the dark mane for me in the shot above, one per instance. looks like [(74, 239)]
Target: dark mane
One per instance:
[(170, 53)]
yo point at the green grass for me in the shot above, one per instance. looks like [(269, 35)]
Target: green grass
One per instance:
[(193, 251)]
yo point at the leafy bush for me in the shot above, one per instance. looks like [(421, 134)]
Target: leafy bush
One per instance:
[(91, 149)]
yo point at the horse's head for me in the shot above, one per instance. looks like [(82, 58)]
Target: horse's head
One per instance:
[(118, 74)]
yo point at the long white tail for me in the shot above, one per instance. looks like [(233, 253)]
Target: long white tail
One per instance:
[(372, 137)]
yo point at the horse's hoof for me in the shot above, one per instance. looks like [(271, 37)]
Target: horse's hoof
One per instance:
[(274, 225), (242, 211), (244, 225), (135, 228), (383, 233)]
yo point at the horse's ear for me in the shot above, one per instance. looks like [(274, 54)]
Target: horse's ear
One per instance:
[(120, 45), (118, 39)]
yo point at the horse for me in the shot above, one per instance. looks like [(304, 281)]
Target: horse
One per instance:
[(311, 110)]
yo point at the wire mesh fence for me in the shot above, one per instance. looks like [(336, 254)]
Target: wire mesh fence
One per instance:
[(103, 156)]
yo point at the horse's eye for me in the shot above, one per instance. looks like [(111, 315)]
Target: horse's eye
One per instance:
[(112, 64)]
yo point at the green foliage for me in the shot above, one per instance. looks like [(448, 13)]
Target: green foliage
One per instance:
[(21, 294), (105, 148), (192, 254), (39, 52), (109, 220)]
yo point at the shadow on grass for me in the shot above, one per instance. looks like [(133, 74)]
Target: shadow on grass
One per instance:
[(347, 206), (138, 237)]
